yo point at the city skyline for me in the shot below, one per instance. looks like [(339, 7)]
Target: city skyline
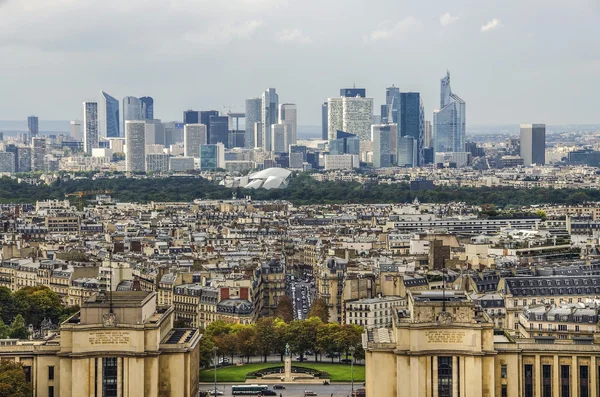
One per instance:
[(473, 40)]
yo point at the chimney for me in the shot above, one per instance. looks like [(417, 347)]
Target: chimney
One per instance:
[(244, 293), (224, 293)]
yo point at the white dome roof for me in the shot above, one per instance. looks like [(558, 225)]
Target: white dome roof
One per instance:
[(273, 171)]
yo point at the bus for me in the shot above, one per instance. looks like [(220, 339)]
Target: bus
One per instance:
[(248, 389)]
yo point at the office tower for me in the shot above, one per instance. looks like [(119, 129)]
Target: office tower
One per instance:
[(38, 154), (157, 162), (109, 116), (269, 104), (32, 125), (449, 122), (75, 129), (324, 122), (392, 104), (15, 151), (133, 110), (411, 121), (253, 116), (297, 155), (288, 116), (236, 139), (407, 151), (90, 126), (181, 164), (383, 119), (173, 133), (147, 107), (24, 159), (353, 92), (155, 133), (191, 117), (353, 115), (381, 136), (205, 117), (7, 162), (533, 144), (135, 146), (278, 137), (344, 143), (258, 136), (194, 135), (217, 129), (1, 136), (212, 157), (427, 135)]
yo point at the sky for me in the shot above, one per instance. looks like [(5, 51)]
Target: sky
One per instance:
[(512, 61)]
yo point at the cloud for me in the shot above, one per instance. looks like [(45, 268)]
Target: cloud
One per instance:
[(386, 31), (447, 19), (491, 25), (292, 35)]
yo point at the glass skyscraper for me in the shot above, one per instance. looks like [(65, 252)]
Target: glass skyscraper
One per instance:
[(253, 115), (449, 122), (381, 136), (109, 126), (217, 129), (208, 157), (32, 125), (132, 110), (344, 143), (90, 126), (269, 105), (192, 117), (411, 122), (147, 107), (392, 105)]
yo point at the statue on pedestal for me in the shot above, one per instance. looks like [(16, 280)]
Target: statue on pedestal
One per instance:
[(287, 350)]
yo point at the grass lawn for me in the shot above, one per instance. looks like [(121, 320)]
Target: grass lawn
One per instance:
[(234, 373)]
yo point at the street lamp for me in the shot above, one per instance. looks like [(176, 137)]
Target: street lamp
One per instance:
[(214, 349), (352, 349)]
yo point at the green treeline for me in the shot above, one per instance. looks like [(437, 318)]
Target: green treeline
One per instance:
[(301, 190)]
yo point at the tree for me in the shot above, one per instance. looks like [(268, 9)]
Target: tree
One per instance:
[(302, 335), (326, 339), (281, 336), (38, 303), (349, 336), (205, 347), (12, 380), (319, 309), (265, 336), (7, 305), (18, 329), (4, 330), (285, 309), (245, 340)]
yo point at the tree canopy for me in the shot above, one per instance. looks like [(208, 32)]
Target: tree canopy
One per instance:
[(12, 380)]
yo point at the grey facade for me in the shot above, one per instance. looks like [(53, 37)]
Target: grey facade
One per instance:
[(38, 154), (253, 116), (449, 122), (533, 144), (381, 136), (407, 151), (90, 126), (7, 162), (33, 126), (135, 141), (109, 126), (157, 162), (205, 117), (194, 135), (392, 105), (324, 122), (24, 159), (269, 108), (133, 110)]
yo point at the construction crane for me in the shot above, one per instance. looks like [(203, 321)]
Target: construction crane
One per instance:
[(81, 195)]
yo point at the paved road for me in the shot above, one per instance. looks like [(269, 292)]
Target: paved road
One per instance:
[(302, 296), (337, 389)]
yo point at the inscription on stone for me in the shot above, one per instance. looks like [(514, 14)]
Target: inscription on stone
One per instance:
[(445, 337), (109, 338)]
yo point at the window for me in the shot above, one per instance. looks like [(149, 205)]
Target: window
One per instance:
[(50, 372), (109, 377), (584, 390), (546, 381), (503, 371), (50, 391), (528, 377), (27, 370), (444, 376), (565, 381), (504, 391)]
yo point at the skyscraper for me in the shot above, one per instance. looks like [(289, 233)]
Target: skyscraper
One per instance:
[(109, 116), (191, 117), (212, 157), (32, 125), (428, 135), (135, 141), (288, 116), (533, 144), (24, 159), (350, 114), (205, 116), (381, 136), (407, 151), (269, 104), (75, 129), (258, 136), (253, 116), (449, 122), (38, 154), (392, 104), (324, 122), (278, 137), (411, 121), (344, 143), (194, 135), (218, 129), (353, 92), (147, 107), (90, 126), (132, 110)]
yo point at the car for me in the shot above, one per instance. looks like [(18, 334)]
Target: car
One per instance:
[(332, 355), (346, 361), (268, 392), (224, 361), (298, 358), (309, 353), (305, 309), (309, 393), (214, 392), (279, 387)]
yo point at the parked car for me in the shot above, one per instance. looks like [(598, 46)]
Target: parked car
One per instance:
[(268, 392), (279, 387), (298, 358), (360, 393), (332, 355), (309, 393), (346, 361)]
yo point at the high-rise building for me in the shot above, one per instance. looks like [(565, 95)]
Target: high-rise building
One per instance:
[(350, 114), (253, 116), (428, 135), (24, 159), (258, 135), (155, 133), (269, 105), (297, 154), (75, 129), (109, 116), (90, 126), (194, 135), (411, 121), (449, 122), (7, 162), (135, 146), (212, 157), (384, 119), (288, 116), (133, 110), (217, 129), (191, 117), (407, 151), (381, 136), (33, 126), (147, 107), (533, 144), (12, 148), (344, 143), (353, 92), (278, 137), (324, 122), (38, 154), (205, 117), (392, 104), (157, 162)]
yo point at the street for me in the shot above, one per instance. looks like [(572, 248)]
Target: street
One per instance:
[(295, 390), (302, 295)]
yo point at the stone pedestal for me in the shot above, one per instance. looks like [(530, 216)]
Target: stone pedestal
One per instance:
[(288, 369)]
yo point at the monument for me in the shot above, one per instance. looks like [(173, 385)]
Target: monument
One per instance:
[(287, 373)]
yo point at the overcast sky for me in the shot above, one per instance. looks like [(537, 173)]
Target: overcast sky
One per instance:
[(512, 61)]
